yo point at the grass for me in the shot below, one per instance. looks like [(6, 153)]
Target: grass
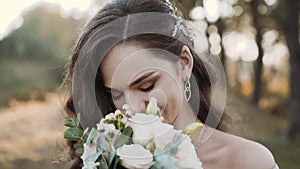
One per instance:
[(270, 130), (25, 79)]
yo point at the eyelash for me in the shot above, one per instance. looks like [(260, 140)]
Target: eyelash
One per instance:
[(149, 88), (144, 90)]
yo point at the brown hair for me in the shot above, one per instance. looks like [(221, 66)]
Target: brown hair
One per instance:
[(121, 8)]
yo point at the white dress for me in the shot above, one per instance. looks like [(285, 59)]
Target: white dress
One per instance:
[(276, 167)]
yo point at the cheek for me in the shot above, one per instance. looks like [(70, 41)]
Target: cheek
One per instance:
[(173, 103)]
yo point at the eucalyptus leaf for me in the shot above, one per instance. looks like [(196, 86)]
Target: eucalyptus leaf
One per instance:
[(116, 162), (92, 136), (121, 140), (73, 134), (94, 157), (164, 161), (111, 158), (102, 142), (103, 163), (78, 119), (78, 145), (127, 131), (172, 147), (85, 131), (69, 122), (79, 151)]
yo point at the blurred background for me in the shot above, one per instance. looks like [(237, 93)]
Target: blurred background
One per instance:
[(256, 40)]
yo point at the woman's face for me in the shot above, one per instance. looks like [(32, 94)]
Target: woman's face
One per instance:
[(133, 74)]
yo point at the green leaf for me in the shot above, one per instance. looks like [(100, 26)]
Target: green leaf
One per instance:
[(117, 159), (78, 145), (69, 122), (102, 142), (127, 131), (172, 148), (121, 140), (78, 119), (92, 136), (103, 163), (73, 134), (94, 157), (162, 160), (86, 131), (124, 137), (79, 151), (111, 157)]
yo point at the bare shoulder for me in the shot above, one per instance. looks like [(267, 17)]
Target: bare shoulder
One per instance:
[(248, 154)]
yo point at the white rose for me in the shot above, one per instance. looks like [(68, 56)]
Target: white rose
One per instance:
[(134, 156), (186, 156), (143, 125)]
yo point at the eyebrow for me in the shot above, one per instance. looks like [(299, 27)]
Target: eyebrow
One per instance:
[(141, 78)]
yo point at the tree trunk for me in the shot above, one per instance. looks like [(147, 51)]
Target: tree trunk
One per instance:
[(185, 6), (290, 27), (221, 27), (258, 65)]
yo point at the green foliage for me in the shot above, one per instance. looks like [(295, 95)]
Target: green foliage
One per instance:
[(124, 137), (267, 129), (31, 56), (163, 161), (73, 134), (79, 151), (69, 122), (92, 136)]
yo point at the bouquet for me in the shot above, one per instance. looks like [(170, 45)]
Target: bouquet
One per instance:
[(139, 141)]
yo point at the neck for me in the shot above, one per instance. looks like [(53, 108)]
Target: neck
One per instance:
[(185, 117)]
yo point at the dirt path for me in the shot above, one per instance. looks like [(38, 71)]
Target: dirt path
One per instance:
[(31, 130)]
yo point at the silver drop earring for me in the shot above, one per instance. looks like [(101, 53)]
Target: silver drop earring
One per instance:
[(188, 92)]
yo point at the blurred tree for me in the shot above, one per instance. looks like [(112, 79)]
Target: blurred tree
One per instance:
[(221, 29), (185, 6), (288, 18), (254, 4), (31, 57)]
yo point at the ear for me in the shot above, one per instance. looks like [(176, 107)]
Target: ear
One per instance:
[(187, 61)]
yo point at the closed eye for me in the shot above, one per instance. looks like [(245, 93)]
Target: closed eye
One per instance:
[(148, 89)]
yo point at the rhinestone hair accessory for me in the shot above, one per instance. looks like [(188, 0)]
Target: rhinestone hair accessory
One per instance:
[(179, 22)]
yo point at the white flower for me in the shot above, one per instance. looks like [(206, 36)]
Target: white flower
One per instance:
[(89, 150), (134, 156), (152, 107), (143, 125), (117, 112), (186, 156), (164, 134), (108, 128), (110, 116)]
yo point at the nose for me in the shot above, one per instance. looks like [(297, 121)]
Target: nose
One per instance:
[(136, 101)]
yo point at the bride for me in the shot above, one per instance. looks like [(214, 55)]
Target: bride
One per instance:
[(136, 49)]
